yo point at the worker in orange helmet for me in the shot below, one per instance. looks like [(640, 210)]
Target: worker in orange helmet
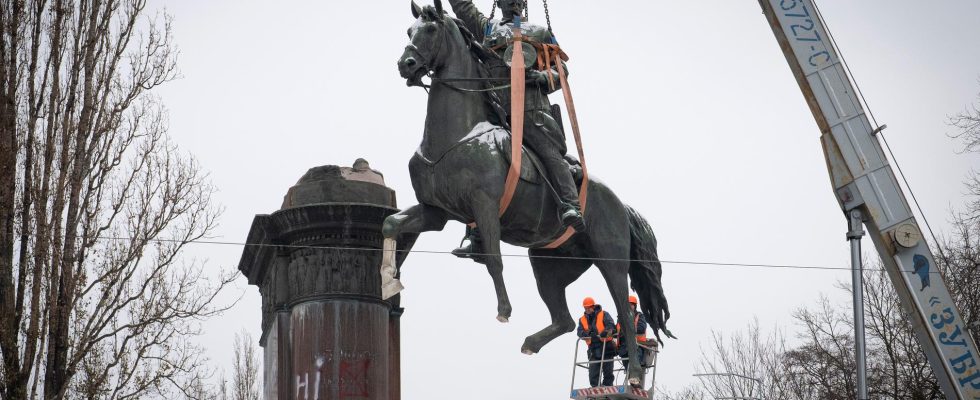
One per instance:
[(641, 334), (597, 328)]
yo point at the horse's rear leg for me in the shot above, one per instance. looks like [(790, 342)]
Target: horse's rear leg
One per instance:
[(486, 214), (553, 276)]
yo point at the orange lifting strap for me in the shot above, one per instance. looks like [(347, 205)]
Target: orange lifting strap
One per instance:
[(553, 52), (548, 53), (516, 121)]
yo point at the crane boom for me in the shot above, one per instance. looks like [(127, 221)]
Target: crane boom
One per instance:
[(863, 180)]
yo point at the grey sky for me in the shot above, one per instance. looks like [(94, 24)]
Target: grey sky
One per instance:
[(688, 111)]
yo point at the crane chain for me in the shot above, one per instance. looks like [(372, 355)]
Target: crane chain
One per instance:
[(547, 17), (547, 14)]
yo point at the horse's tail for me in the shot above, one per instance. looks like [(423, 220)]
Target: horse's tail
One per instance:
[(645, 271)]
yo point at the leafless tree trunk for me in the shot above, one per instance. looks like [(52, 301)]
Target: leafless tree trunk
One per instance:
[(246, 373), (96, 206)]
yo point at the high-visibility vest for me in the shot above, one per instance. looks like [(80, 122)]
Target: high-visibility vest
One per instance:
[(600, 327), (640, 337)]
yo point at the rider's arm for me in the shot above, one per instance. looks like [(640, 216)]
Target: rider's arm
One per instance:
[(475, 21), (540, 78)]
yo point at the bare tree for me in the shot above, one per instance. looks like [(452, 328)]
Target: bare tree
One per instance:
[(959, 261), (245, 378), (967, 125), (96, 206), (822, 365), (960, 253), (688, 393), (748, 364)]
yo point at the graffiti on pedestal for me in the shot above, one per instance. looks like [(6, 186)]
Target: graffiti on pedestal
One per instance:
[(353, 378), (335, 371)]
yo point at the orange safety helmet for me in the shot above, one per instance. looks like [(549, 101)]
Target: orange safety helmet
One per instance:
[(633, 300), (588, 302)]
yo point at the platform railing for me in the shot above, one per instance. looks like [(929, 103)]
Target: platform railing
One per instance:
[(649, 364)]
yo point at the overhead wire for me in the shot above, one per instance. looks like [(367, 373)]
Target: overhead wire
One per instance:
[(528, 256)]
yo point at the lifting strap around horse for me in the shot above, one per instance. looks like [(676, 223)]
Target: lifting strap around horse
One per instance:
[(517, 87), (551, 53)]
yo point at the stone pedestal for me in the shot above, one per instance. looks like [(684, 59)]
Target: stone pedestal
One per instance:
[(326, 333)]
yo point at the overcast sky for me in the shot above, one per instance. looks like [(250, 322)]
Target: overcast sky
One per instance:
[(688, 110)]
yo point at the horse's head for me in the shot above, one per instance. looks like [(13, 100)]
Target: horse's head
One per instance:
[(430, 38)]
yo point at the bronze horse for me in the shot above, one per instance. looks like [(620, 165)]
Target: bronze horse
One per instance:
[(458, 173)]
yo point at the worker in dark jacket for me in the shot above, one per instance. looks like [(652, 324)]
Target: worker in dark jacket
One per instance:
[(598, 329), (641, 335)]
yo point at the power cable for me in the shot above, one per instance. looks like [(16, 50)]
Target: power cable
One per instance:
[(528, 256)]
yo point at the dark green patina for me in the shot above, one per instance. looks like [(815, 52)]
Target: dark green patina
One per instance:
[(459, 169)]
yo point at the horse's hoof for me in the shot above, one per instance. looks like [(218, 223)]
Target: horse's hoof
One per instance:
[(503, 319), (530, 346), (635, 382)]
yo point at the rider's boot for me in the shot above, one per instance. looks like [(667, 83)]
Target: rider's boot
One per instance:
[(572, 217), (571, 214), (473, 248)]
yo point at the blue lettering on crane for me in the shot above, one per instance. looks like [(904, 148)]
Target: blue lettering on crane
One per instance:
[(964, 364), (952, 335), (805, 31)]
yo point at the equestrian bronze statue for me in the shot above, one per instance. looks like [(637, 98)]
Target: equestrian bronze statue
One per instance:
[(459, 169)]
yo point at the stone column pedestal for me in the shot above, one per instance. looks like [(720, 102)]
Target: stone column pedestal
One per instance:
[(326, 333)]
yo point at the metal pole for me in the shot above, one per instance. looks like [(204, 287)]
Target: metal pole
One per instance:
[(577, 341), (854, 235)]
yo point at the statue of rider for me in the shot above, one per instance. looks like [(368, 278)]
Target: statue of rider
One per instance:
[(542, 131)]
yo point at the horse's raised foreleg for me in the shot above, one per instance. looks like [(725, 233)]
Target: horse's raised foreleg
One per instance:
[(415, 219), (485, 212), (553, 276), (418, 218)]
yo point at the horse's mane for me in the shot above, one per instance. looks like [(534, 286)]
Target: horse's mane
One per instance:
[(482, 53), (483, 57)]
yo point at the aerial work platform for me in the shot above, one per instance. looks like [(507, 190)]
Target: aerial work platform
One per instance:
[(621, 389)]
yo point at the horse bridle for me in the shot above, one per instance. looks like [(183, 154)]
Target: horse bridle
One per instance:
[(426, 62)]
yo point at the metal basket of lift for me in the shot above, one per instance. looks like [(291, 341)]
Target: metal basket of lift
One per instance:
[(621, 389)]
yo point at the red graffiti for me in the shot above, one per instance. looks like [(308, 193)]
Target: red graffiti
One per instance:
[(353, 378)]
